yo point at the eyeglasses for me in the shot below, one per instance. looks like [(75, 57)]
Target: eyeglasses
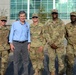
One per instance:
[(4, 20), (35, 17)]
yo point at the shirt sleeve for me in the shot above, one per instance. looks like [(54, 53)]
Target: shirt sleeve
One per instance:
[(11, 34)]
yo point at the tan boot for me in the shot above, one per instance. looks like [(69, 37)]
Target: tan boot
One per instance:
[(52, 73)]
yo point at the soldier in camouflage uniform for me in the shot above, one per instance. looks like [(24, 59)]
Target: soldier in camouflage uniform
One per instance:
[(36, 51), (4, 47), (71, 43), (53, 33)]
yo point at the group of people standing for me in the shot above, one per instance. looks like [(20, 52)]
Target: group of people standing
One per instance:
[(30, 41)]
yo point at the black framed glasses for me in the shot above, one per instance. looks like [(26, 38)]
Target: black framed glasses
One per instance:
[(4, 20), (34, 17)]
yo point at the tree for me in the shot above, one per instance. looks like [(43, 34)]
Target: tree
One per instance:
[(42, 14)]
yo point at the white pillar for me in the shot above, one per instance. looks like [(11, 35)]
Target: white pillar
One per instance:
[(47, 5), (53, 4), (28, 9), (34, 6)]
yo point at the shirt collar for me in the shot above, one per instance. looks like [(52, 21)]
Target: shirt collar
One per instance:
[(21, 23)]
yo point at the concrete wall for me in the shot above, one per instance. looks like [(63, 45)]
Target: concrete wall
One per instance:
[(5, 7)]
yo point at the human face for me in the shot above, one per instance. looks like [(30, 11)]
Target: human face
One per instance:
[(22, 17), (3, 22), (35, 19), (73, 18), (54, 15)]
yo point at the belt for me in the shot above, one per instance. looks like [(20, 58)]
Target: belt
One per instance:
[(20, 41)]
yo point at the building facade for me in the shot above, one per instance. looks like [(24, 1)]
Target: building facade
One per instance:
[(12, 7)]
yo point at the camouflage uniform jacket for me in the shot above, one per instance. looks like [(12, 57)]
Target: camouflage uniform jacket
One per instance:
[(53, 32), (4, 31), (71, 34), (36, 35)]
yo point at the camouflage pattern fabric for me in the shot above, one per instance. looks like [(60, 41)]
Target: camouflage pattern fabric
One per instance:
[(36, 42), (36, 58), (71, 46), (4, 47), (53, 32), (36, 35)]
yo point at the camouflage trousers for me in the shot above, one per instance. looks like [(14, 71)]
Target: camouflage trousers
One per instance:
[(3, 61), (36, 58), (70, 56), (59, 52)]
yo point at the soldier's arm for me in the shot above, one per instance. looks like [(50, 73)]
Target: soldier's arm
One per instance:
[(66, 32), (47, 35), (42, 39), (59, 39)]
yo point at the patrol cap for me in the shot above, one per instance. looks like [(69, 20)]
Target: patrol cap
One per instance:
[(54, 11), (35, 15), (73, 13), (3, 18)]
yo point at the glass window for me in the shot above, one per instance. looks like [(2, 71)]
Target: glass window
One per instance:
[(65, 7), (35, 5), (16, 6)]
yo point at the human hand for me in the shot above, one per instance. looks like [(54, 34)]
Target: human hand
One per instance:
[(53, 46), (12, 47), (40, 49), (28, 47)]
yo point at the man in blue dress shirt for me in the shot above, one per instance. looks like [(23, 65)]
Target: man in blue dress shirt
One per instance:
[(19, 40)]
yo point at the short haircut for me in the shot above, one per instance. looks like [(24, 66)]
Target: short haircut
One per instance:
[(22, 12)]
